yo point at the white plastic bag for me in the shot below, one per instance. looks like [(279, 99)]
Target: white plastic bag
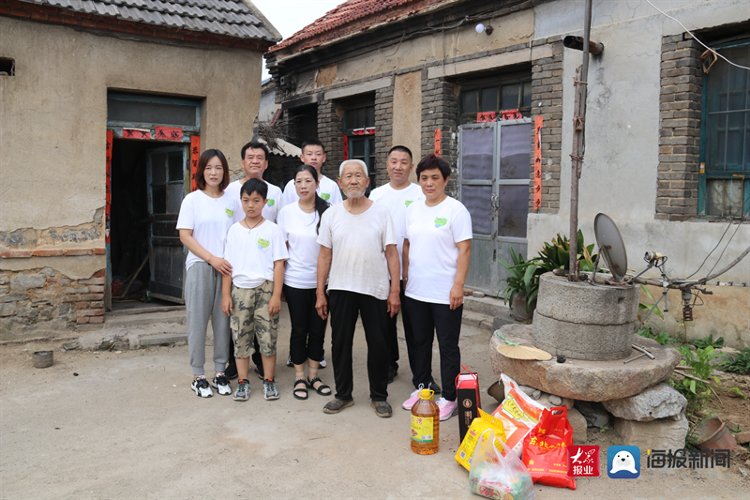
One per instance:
[(496, 476)]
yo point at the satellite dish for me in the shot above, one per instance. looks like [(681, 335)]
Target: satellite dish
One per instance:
[(611, 246)]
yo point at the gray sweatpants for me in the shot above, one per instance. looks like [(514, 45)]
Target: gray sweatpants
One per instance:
[(203, 301)]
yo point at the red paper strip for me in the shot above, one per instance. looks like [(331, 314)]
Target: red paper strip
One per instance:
[(167, 133), (195, 153), (538, 124), (108, 183), (136, 133), (486, 116), (346, 147), (438, 140)]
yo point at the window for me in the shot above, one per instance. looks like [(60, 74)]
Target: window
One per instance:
[(359, 129), (497, 95), (7, 66), (725, 144), (132, 110)]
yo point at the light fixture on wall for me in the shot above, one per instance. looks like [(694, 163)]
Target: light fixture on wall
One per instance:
[(484, 28)]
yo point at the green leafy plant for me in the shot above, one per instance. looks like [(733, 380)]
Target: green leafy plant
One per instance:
[(737, 392), (695, 375), (646, 309), (739, 363), (709, 341), (523, 279), (555, 255), (663, 338)]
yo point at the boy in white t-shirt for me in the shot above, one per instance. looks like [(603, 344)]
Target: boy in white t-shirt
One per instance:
[(314, 154), (252, 295)]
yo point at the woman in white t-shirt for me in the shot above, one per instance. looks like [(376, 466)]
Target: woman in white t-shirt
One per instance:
[(436, 254), (300, 221), (205, 217)]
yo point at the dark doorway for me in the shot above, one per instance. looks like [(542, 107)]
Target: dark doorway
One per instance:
[(147, 187)]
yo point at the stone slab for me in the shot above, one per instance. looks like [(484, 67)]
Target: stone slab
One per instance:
[(660, 434), (583, 379), (594, 342), (594, 413), (659, 401)]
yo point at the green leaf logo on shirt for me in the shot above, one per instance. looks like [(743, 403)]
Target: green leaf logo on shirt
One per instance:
[(270, 202), (263, 243), (440, 221), (408, 202), (325, 196), (229, 212)]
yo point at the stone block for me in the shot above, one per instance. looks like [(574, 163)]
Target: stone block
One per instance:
[(583, 380), (21, 282), (579, 425), (742, 437), (580, 341), (594, 413), (661, 434), (659, 401)]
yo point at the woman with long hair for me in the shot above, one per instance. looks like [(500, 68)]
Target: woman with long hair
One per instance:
[(205, 217), (300, 222)]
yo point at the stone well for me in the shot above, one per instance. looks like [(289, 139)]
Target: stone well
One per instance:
[(585, 321)]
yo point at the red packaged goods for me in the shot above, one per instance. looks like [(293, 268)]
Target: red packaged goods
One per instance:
[(546, 449)]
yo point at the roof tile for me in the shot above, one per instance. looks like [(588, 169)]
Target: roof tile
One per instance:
[(225, 17)]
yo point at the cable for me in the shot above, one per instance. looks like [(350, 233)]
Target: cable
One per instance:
[(712, 251), (718, 259), (696, 38)]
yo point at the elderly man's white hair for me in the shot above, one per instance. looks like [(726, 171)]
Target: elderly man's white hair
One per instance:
[(356, 162)]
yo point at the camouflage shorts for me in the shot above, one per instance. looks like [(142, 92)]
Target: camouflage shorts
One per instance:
[(250, 318)]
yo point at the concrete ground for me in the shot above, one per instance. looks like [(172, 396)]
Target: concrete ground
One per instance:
[(124, 424)]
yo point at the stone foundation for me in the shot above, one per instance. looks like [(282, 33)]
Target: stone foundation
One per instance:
[(46, 297)]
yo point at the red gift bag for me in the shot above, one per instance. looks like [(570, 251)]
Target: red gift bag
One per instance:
[(546, 449)]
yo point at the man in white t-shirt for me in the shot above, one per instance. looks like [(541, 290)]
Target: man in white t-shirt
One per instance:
[(359, 262), (254, 156), (314, 154), (398, 194)]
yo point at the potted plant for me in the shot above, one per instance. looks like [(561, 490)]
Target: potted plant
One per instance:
[(522, 286), (555, 255)]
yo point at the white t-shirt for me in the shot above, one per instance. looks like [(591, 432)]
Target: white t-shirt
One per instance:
[(327, 189), (270, 209), (209, 218), (396, 201), (433, 255), (252, 253), (358, 245), (299, 230)]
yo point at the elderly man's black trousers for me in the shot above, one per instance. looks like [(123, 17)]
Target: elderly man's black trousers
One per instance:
[(344, 308)]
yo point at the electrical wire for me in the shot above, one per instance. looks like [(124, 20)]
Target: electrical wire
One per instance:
[(712, 251), (718, 259), (713, 51)]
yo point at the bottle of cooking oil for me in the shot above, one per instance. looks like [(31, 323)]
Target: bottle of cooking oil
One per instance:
[(425, 424)]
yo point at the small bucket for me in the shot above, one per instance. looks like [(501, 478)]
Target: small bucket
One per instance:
[(713, 434), (42, 359)]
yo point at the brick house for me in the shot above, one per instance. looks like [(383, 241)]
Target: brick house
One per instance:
[(105, 106), (667, 145)]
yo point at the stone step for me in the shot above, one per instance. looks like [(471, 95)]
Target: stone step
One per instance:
[(491, 306), (143, 318)]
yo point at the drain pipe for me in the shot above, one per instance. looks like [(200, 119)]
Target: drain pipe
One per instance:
[(579, 142)]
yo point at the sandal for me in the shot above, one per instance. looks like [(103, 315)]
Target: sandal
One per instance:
[(300, 392), (322, 389)]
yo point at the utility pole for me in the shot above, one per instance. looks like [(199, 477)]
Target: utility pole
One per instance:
[(579, 142)]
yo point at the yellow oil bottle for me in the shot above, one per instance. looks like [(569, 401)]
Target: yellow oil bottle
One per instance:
[(425, 424)]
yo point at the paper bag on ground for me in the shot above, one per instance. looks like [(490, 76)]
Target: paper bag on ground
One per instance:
[(518, 412)]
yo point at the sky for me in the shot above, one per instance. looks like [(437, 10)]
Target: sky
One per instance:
[(290, 16)]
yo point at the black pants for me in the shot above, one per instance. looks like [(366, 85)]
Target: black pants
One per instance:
[(427, 320), (308, 329), (391, 336), (344, 308)]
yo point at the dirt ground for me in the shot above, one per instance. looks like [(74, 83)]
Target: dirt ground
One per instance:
[(125, 425)]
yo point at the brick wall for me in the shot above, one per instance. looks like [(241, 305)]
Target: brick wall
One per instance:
[(331, 133), (679, 129), (383, 132), (36, 296), (546, 88), (440, 111)]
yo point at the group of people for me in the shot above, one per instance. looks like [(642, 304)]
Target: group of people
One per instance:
[(405, 248)]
